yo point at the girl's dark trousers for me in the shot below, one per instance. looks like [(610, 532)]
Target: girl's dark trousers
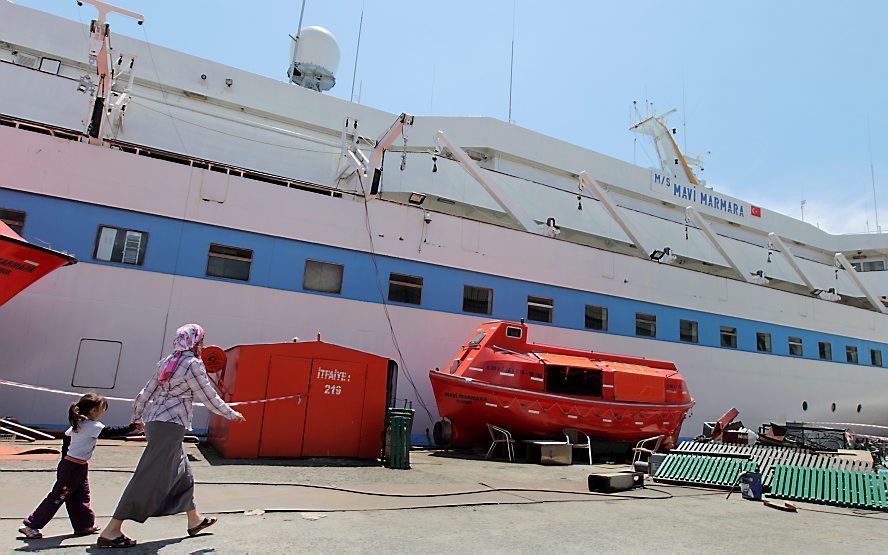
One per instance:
[(71, 489)]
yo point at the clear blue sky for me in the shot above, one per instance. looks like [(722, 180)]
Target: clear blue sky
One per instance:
[(779, 92)]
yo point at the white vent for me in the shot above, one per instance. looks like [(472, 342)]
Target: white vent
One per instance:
[(27, 60)]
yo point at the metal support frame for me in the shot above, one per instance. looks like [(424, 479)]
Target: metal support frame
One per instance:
[(791, 259), (698, 219), (852, 273), (611, 207), (500, 194), (37, 433), (383, 142)]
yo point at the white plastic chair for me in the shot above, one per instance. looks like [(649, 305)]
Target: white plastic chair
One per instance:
[(573, 437), (505, 438)]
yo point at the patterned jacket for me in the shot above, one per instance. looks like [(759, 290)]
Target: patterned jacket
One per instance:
[(172, 401)]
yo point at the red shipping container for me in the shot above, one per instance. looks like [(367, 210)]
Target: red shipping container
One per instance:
[(339, 411)]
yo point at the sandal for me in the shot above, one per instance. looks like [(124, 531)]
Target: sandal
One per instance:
[(30, 533), (207, 522), (87, 531), (117, 543)]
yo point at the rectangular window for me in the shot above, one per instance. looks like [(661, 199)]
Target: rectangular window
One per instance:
[(14, 219), (728, 337), (125, 246), (851, 353), (825, 350), (874, 266), (763, 342), (229, 262), (687, 331), (795, 346), (478, 300), (325, 277), (876, 357), (405, 289), (645, 325), (540, 309), (596, 317)]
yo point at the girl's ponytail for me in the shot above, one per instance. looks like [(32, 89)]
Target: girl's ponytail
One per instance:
[(74, 416), (79, 411)]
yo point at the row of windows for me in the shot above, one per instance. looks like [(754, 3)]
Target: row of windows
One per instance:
[(128, 246)]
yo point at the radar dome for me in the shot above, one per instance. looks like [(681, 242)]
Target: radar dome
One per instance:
[(314, 59)]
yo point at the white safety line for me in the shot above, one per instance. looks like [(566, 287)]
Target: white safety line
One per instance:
[(76, 394)]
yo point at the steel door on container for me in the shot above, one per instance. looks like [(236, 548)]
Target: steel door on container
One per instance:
[(335, 409), (284, 421)]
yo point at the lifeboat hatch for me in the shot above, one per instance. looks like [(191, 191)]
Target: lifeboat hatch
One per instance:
[(573, 381)]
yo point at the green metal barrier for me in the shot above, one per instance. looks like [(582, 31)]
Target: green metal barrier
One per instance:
[(399, 425), (700, 470), (844, 488)]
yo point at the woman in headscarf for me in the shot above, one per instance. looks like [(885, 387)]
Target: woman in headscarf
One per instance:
[(163, 483)]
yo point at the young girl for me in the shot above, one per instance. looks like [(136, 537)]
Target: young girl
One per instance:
[(72, 482)]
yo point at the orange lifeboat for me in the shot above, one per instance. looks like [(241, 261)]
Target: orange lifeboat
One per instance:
[(536, 391), (22, 263)]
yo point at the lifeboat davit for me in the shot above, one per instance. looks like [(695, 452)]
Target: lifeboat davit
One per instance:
[(22, 263), (536, 391)]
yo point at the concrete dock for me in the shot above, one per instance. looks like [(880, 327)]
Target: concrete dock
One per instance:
[(446, 502)]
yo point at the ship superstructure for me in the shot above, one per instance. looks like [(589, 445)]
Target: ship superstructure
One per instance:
[(264, 210)]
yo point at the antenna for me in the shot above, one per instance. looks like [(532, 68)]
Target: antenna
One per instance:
[(684, 115), (298, 30), (512, 60), (869, 137), (357, 53)]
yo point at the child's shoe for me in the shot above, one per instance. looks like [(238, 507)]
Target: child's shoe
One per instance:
[(30, 533)]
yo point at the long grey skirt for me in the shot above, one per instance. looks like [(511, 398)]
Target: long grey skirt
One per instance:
[(163, 483)]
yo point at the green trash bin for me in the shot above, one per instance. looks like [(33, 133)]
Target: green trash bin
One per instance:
[(399, 425)]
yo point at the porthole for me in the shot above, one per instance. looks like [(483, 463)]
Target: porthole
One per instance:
[(804, 405), (832, 407), (859, 408)]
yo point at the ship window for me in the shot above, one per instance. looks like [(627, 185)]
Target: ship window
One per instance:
[(874, 266), (322, 276), (876, 357), (49, 65), (596, 317), (795, 346), (728, 337), (405, 289), (477, 299), (687, 331), (851, 353), (825, 350), (540, 309), (763, 342), (513, 332), (645, 325), (125, 246), (229, 262), (573, 381), (14, 219)]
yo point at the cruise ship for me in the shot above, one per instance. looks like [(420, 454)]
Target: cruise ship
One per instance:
[(190, 191)]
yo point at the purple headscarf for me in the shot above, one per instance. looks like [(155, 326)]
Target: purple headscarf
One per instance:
[(187, 338)]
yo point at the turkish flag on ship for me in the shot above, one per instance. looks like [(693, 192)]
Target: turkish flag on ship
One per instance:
[(755, 211)]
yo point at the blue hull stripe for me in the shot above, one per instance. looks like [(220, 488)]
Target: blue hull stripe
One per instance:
[(180, 248)]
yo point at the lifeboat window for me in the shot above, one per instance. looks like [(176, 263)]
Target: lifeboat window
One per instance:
[(405, 289), (596, 317), (763, 342), (728, 337), (322, 276), (825, 349), (14, 219), (477, 339), (687, 331), (229, 262), (876, 357), (645, 325), (540, 309), (851, 353), (478, 300), (573, 381), (795, 346), (514, 332), (125, 246)]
